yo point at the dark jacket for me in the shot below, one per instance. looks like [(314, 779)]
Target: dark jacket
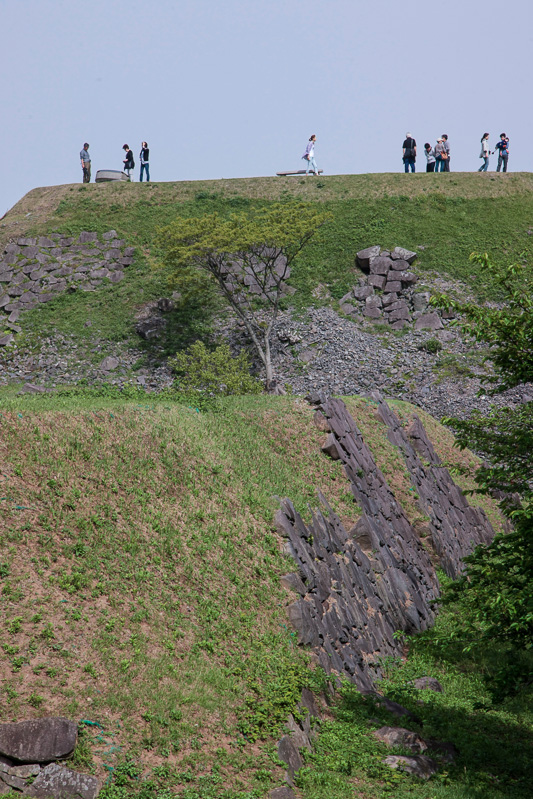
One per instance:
[(129, 163), (144, 155)]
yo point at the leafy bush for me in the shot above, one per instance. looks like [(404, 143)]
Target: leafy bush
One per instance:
[(432, 345), (215, 373)]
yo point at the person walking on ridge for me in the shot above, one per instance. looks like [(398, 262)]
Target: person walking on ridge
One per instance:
[(85, 159), (128, 162), (485, 152), (144, 157), (409, 153), (503, 152), (309, 156)]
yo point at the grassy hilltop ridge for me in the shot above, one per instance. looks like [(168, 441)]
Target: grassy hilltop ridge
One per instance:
[(140, 570), (443, 217)]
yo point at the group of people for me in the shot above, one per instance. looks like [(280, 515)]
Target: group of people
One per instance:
[(129, 162), (438, 157)]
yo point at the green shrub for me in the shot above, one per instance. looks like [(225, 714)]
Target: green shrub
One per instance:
[(432, 345), (215, 373)]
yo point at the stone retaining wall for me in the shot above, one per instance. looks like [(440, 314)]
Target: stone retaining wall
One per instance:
[(358, 588), (36, 270)]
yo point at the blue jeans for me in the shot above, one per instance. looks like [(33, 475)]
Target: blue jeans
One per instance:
[(145, 167), (409, 162), (502, 159), (311, 165), (441, 165), (485, 165)]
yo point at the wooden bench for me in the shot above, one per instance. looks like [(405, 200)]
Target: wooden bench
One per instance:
[(295, 172)]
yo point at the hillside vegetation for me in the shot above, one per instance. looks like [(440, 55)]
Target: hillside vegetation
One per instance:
[(140, 590)]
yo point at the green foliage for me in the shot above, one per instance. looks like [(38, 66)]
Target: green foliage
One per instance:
[(209, 374), (248, 255), (495, 596), (432, 345)]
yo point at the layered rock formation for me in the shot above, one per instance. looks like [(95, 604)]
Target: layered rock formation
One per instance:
[(359, 588)]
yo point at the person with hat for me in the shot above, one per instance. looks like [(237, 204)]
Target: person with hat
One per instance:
[(409, 153)]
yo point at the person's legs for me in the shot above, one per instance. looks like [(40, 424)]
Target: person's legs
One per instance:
[(430, 167), (147, 167), (446, 164), (413, 165), (141, 174), (406, 164), (500, 159), (505, 159), (312, 164)]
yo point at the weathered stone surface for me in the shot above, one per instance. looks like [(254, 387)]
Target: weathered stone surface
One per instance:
[(428, 684), (85, 237), (401, 253), (377, 281), (398, 736), (407, 278), (429, 321), (395, 709), (399, 265), (380, 266), (320, 421), (418, 765), (400, 313), (362, 292), (38, 740), (109, 364), (330, 448), (293, 583), (12, 781), (306, 356), (347, 308), (288, 752), (399, 325), (150, 329), (284, 792), (111, 234), (62, 783), (25, 771), (365, 257), (392, 286), (372, 311), (347, 297), (6, 340), (31, 388), (421, 301)]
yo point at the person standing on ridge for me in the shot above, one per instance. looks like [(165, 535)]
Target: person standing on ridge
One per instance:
[(128, 162), (445, 163), (439, 150), (144, 157), (503, 152), (309, 156), (485, 152), (409, 153), (430, 156), (85, 159)]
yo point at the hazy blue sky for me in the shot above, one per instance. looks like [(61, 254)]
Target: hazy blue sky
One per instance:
[(233, 88)]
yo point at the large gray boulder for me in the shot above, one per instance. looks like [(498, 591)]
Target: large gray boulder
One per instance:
[(62, 783), (365, 257), (428, 321), (419, 765), (38, 740)]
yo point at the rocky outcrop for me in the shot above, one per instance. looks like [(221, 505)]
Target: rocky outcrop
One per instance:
[(359, 588), (27, 751)]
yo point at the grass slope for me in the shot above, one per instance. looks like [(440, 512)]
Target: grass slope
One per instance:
[(140, 582)]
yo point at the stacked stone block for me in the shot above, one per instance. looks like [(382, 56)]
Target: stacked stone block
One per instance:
[(36, 270), (386, 293)]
